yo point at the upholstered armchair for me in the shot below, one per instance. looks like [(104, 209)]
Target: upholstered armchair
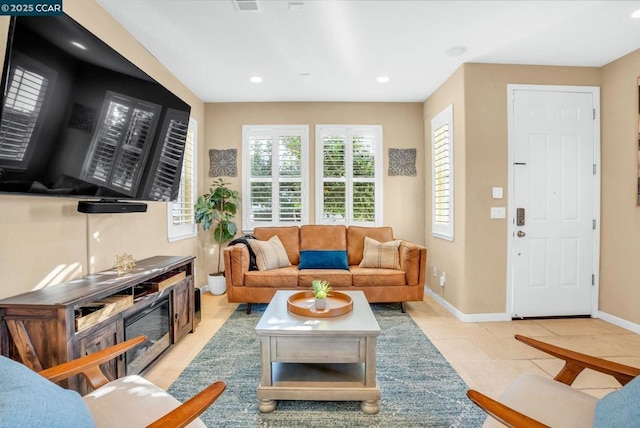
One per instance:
[(30, 399), (534, 401)]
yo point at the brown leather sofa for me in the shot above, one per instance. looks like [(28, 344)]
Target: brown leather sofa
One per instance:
[(378, 284)]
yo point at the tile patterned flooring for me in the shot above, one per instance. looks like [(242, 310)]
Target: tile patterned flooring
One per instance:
[(485, 354)]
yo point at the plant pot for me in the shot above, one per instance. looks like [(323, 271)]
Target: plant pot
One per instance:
[(321, 304), (217, 284)]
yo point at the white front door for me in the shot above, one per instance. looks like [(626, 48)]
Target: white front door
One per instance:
[(554, 200)]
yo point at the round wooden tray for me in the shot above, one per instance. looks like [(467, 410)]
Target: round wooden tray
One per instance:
[(304, 303)]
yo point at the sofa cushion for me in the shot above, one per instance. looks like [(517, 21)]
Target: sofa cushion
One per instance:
[(355, 240), (321, 237), (289, 236), (269, 254), (286, 277), (373, 277), (131, 401), (337, 278), (380, 254), (323, 259), (29, 400), (620, 408)]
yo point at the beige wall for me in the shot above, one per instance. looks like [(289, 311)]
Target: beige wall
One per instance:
[(402, 128), (620, 237), (443, 255), (45, 240), (480, 284)]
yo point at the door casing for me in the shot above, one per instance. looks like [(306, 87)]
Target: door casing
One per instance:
[(511, 228)]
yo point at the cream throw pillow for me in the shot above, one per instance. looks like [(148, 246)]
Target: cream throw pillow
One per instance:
[(269, 254), (380, 254)]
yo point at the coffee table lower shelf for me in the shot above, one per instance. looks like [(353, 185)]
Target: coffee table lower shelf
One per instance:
[(319, 382)]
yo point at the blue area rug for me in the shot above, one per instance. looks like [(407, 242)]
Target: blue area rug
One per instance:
[(419, 388)]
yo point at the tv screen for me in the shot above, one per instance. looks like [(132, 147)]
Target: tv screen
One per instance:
[(80, 120)]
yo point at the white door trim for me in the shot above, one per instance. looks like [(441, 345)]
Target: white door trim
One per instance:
[(595, 92)]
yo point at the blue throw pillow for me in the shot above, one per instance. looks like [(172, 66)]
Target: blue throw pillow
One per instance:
[(323, 259), (620, 408), (29, 400)]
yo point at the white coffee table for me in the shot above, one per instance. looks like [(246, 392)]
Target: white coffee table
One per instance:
[(324, 359)]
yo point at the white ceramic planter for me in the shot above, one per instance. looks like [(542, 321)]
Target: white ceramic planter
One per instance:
[(321, 304), (217, 284)]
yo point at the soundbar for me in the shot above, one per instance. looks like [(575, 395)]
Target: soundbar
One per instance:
[(111, 206)]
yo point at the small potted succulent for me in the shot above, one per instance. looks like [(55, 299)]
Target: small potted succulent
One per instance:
[(320, 289)]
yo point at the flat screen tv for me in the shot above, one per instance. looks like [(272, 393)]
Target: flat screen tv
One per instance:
[(79, 120)]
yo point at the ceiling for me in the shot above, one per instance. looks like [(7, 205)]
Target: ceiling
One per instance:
[(333, 50)]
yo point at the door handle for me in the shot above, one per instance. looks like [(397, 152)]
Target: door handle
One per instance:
[(519, 216), (521, 234)]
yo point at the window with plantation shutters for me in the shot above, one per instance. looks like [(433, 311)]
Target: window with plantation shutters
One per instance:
[(181, 216), (26, 91), (349, 175), (168, 163), (442, 169), (275, 175), (121, 145)]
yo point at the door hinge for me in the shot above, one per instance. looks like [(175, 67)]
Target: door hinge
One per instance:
[(594, 224), (594, 169), (594, 114), (593, 279)]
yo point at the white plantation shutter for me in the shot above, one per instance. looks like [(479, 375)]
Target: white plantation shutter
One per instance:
[(275, 175), (167, 167), (121, 145), (349, 175), (442, 169), (181, 214), (28, 83)]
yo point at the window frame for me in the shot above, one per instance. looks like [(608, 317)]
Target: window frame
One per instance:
[(274, 131), (349, 131), (443, 230), (176, 232)]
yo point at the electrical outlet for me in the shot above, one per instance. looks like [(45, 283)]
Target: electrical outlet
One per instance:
[(442, 279), (435, 272)]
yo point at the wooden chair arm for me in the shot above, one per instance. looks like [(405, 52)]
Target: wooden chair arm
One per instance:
[(89, 365), (503, 414), (575, 362), (191, 409)]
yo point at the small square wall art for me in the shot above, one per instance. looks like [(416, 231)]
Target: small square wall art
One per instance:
[(402, 162), (223, 163)]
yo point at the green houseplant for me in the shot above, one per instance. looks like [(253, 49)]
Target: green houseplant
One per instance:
[(216, 210)]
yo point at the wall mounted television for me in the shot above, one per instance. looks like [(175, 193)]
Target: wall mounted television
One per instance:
[(79, 120)]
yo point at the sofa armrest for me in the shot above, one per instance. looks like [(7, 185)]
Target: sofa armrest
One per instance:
[(236, 263), (413, 261)]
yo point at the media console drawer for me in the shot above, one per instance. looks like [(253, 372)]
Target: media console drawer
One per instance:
[(94, 312)]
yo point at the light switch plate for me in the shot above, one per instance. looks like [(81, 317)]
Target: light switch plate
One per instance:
[(496, 192), (498, 212)]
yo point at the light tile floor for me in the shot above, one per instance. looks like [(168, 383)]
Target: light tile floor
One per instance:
[(485, 355)]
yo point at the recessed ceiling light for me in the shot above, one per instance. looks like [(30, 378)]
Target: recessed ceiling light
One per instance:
[(256, 79), (79, 45), (382, 79), (636, 14), (456, 50)]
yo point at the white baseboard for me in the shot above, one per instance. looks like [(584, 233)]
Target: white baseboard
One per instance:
[(488, 317), (619, 322)]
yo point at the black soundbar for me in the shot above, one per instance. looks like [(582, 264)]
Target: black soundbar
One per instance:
[(111, 206)]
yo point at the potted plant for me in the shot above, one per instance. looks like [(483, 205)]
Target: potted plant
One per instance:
[(320, 289), (216, 210)]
